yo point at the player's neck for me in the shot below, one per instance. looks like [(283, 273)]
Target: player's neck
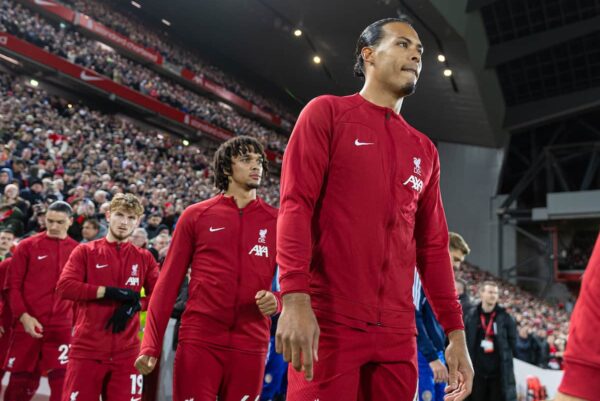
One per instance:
[(241, 196), (110, 238), (373, 92)]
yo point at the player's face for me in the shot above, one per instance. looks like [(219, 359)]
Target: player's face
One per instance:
[(396, 60), (121, 223), (489, 295), (247, 170), (57, 224), (457, 257), (6, 240)]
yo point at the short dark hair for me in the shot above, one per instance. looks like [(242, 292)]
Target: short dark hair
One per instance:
[(237, 146), (490, 283), (371, 36), (7, 230), (94, 222), (62, 207)]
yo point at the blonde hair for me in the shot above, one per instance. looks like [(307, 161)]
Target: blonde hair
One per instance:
[(457, 242), (127, 202)]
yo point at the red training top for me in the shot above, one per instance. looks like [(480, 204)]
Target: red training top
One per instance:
[(582, 356), (110, 264), (231, 253), (34, 271), (360, 208)]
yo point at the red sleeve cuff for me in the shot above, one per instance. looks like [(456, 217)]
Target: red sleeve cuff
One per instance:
[(580, 380), (453, 322), (92, 292), (297, 281), (149, 351)]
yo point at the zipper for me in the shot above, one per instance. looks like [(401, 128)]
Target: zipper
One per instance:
[(238, 267), (390, 220)]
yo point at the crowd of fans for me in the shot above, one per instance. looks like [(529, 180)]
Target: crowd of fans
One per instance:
[(130, 26), (54, 150), (69, 44), (542, 328)]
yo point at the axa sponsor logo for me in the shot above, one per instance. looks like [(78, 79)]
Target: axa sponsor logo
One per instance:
[(74, 395), (11, 362), (417, 183), (133, 281), (259, 250)]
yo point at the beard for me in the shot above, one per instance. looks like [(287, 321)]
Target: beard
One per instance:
[(408, 89), (119, 237)]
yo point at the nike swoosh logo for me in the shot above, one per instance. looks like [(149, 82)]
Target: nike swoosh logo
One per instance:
[(357, 143), (212, 230), (42, 257), (87, 77), (101, 266)]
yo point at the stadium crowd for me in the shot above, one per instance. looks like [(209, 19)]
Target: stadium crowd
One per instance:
[(542, 328), (64, 42)]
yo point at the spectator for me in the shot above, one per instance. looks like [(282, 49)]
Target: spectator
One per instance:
[(543, 348), (11, 197), (7, 238), (92, 230), (154, 226), (139, 238), (526, 346), (159, 246), (11, 218), (463, 296), (491, 336)]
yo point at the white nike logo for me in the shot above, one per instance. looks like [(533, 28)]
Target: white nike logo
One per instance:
[(357, 143), (88, 77), (212, 230), (42, 257), (100, 266)]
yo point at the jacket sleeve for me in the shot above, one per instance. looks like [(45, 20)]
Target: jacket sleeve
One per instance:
[(424, 344), (15, 279), (511, 333), (150, 280), (433, 256), (582, 357), (71, 284), (167, 286), (305, 165)]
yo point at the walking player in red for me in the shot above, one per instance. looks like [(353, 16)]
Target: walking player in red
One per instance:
[(228, 241), (360, 208), (41, 337), (105, 278)]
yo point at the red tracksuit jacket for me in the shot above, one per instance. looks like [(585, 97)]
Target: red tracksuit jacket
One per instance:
[(582, 357), (360, 208), (6, 316), (34, 271), (231, 253), (101, 263)]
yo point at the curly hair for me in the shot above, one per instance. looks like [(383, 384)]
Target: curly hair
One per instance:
[(237, 146), (127, 202)]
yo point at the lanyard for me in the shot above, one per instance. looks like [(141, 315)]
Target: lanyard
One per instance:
[(489, 331)]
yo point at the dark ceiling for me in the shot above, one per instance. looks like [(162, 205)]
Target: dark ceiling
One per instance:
[(253, 39)]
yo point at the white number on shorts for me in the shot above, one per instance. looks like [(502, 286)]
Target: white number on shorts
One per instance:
[(63, 358), (136, 384)]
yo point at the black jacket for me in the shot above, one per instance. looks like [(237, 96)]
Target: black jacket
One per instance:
[(504, 343)]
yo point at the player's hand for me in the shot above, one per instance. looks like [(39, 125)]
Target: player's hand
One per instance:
[(145, 364), (460, 369), (266, 302), (122, 315), (121, 294), (31, 325), (297, 336), (440, 371)]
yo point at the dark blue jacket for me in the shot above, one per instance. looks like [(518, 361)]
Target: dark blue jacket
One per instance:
[(431, 337)]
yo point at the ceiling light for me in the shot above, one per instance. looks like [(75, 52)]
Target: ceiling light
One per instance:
[(164, 21), (447, 72), (297, 33), (441, 58), (34, 83), (317, 60), (136, 4), (186, 142)]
